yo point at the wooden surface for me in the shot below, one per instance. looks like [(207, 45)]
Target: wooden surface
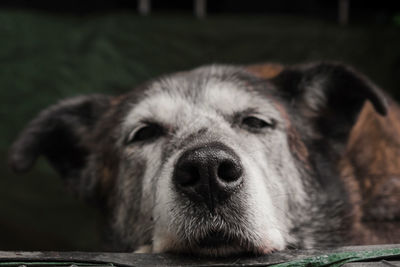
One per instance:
[(373, 264), (131, 259)]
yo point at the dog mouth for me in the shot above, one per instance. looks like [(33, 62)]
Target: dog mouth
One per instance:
[(219, 244), (223, 242), (214, 244), (224, 233)]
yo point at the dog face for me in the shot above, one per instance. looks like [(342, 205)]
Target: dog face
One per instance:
[(218, 168), (213, 161)]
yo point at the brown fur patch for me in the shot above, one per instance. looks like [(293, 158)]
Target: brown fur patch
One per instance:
[(297, 146), (370, 169), (266, 70)]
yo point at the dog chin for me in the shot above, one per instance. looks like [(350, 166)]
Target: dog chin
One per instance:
[(220, 251), (212, 246)]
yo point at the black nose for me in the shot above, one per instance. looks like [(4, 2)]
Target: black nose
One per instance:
[(209, 173)]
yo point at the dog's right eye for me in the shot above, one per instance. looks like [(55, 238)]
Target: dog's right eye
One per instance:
[(147, 132)]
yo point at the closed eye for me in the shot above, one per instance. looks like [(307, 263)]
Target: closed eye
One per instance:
[(254, 123), (146, 133)]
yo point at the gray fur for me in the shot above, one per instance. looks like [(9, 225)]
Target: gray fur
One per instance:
[(281, 203)]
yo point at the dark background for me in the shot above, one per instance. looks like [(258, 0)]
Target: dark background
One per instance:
[(53, 50)]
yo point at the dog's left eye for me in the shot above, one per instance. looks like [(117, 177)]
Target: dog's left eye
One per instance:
[(147, 132), (255, 123)]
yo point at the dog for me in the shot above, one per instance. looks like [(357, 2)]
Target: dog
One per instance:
[(224, 160)]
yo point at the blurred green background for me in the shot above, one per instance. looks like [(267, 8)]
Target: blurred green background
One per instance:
[(45, 57)]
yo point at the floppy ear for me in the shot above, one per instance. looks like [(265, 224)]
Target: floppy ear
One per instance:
[(60, 133), (331, 95)]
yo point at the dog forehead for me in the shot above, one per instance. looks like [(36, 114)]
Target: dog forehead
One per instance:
[(206, 91)]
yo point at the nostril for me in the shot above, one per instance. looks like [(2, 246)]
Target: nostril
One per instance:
[(187, 175), (229, 171)]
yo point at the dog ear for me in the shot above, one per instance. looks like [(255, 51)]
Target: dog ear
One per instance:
[(331, 95), (61, 133)]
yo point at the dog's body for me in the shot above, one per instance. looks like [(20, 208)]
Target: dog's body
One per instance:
[(223, 159)]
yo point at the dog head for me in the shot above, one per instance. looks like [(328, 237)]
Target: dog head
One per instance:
[(214, 161)]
